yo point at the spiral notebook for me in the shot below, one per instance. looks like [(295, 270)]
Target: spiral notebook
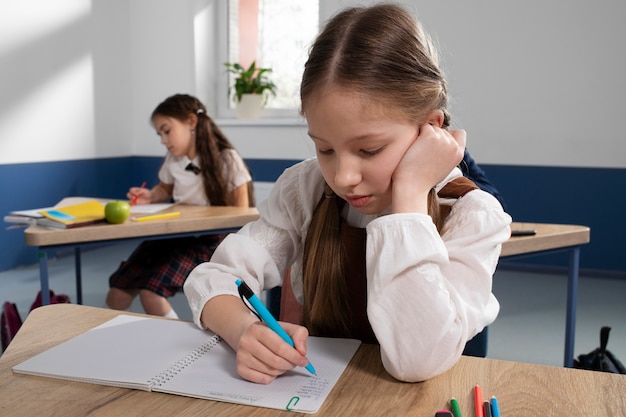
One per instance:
[(176, 357)]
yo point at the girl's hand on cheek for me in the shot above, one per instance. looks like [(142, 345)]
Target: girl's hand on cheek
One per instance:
[(262, 355), (431, 157), (427, 161)]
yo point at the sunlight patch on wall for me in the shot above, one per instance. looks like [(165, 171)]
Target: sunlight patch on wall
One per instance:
[(56, 122), (31, 20)]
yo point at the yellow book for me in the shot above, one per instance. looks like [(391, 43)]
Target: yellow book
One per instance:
[(75, 215)]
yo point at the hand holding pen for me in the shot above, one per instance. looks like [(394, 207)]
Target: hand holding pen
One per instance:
[(136, 192), (263, 314)]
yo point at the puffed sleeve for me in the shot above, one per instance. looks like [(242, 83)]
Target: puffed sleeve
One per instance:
[(235, 169), (260, 252), (428, 294)]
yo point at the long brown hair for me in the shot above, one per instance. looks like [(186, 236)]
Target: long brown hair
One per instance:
[(210, 142), (383, 53)]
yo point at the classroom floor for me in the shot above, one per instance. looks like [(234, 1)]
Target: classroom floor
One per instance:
[(530, 326)]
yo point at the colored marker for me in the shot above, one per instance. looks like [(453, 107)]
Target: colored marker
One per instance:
[(478, 401), (266, 316), (156, 216), (132, 203), (495, 407), (487, 409), (456, 410), (443, 413)]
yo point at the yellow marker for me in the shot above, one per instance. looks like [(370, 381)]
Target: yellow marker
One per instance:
[(156, 216)]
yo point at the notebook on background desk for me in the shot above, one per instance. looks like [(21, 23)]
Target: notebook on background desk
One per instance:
[(88, 210), (175, 357)]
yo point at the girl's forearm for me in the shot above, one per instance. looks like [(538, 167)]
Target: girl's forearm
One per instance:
[(159, 194), (227, 316)]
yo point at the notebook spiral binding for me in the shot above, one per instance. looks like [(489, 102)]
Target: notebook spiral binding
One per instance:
[(185, 361)]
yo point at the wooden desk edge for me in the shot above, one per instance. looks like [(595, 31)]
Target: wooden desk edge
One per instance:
[(549, 236)]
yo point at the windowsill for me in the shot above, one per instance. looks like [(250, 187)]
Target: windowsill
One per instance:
[(267, 121)]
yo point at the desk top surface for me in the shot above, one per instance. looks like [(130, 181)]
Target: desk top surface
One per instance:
[(548, 236), (191, 219), (364, 389)]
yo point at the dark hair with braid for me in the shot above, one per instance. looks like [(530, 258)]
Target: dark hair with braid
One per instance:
[(382, 54), (209, 141)]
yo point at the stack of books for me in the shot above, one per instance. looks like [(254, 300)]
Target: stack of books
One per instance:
[(75, 215)]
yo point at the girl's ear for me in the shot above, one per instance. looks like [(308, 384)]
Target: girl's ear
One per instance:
[(435, 118), (192, 120)]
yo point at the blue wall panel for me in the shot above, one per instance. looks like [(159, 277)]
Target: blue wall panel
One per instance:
[(33, 185), (588, 196)]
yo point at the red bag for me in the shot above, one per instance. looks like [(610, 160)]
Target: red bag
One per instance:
[(54, 299), (10, 321)]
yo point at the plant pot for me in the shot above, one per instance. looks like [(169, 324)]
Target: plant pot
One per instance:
[(250, 106)]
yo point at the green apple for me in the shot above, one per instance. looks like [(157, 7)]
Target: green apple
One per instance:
[(117, 212)]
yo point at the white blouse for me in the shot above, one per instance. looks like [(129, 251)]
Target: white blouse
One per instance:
[(427, 294), (189, 187)]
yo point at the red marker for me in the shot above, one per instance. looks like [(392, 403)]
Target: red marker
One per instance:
[(478, 401), (132, 203)]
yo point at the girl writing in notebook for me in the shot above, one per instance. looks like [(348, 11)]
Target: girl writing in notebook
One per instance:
[(385, 240), (201, 167)]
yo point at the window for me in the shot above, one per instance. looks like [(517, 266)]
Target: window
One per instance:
[(276, 34)]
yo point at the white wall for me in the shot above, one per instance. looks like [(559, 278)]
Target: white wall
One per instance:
[(46, 81), (534, 82)]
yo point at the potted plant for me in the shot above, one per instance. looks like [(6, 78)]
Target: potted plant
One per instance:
[(251, 89)]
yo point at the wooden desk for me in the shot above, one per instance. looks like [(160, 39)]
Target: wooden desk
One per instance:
[(550, 238), (193, 221), (364, 389)]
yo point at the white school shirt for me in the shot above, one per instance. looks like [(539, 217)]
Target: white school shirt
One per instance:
[(189, 187), (427, 294)]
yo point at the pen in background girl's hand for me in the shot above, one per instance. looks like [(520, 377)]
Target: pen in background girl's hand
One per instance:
[(137, 194)]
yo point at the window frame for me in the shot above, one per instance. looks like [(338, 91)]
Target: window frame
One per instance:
[(223, 101)]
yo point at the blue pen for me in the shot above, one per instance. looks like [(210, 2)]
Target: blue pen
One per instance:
[(495, 408), (266, 316)]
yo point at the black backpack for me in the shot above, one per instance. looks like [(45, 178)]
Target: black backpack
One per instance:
[(600, 359)]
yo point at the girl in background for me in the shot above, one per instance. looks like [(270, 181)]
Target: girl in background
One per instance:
[(201, 167), (385, 239)]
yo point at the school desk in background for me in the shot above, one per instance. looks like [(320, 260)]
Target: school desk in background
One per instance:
[(192, 221)]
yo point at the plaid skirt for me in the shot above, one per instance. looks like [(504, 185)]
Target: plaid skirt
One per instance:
[(162, 266)]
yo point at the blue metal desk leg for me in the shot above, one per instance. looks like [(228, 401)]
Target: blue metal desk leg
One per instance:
[(572, 297), (79, 280), (43, 277)]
